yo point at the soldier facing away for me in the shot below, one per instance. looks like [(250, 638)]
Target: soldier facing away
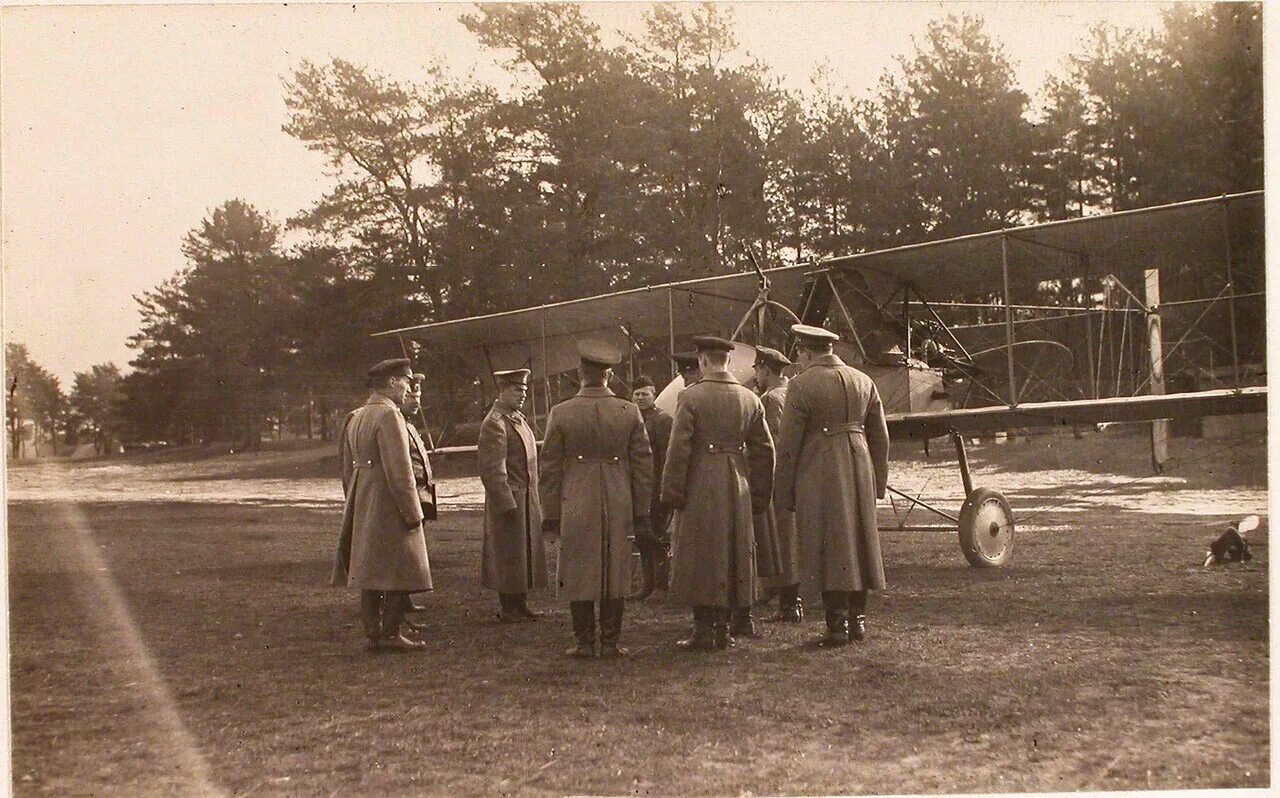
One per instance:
[(382, 550), (718, 475), (597, 474), (513, 559), (833, 453)]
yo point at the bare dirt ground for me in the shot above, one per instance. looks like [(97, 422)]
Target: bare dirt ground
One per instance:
[(1045, 472), (174, 646)]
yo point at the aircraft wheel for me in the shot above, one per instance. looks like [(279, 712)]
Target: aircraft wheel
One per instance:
[(986, 529)]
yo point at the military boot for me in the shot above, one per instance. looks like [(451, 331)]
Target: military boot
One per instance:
[(646, 575), (407, 603), (720, 630), (510, 608), (371, 616), (662, 568), (743, 624), (409, 606), (611, 629), (584, 629), (521, 604), (412, 626), (392, 612), (837, 611), (703, 637), (393, 602), (858, 609), (399, 642), (790, 608)]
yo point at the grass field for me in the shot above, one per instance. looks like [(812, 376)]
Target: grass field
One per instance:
[(189, 649)]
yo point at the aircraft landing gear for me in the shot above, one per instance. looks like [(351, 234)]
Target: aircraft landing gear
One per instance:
[(986, 522), (986, 529)]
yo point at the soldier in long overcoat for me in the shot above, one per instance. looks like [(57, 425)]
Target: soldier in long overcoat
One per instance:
[(422, 479), (833, 463), (772, 384), (513, 559), (381, 550), (718, 475), (596, 479), (654, 546)]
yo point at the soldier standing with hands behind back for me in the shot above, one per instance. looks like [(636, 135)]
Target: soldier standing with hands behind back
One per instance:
[(513, 559), (597, 474), (833, 463)]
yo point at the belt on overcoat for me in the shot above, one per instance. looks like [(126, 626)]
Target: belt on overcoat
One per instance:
[(588, 458), (714, 447), (843, 429)]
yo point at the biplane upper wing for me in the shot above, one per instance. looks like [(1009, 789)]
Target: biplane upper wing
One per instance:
[(542, 337), (1006, 265), (1121, 243)]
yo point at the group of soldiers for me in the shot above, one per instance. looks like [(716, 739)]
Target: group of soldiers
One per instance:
[(735, 494)]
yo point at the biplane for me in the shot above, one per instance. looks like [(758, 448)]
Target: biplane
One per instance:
[(1146, 315)]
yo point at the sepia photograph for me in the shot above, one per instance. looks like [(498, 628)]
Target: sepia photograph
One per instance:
[(729, 398)]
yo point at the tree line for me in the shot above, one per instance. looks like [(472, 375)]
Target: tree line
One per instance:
[(665, 157)]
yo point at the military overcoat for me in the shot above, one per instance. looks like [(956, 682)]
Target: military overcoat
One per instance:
[(422, 477), (381, 546), (657, 423), (833, 462), (782, 522), (597, 475), (513, 558), (718, 474)]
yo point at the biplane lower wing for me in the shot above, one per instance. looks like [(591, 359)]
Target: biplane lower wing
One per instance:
[(1086, 411)]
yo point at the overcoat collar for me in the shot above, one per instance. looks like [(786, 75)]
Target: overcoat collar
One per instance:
[(720, 375), (379, 399), (827, 360), (595, 392), (515, 415)]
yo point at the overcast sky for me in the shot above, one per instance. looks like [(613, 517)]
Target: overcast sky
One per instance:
[(121, 127)]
